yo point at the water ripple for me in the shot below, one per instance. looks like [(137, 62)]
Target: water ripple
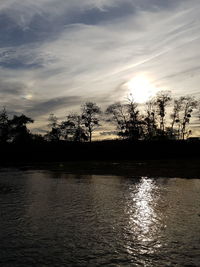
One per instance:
[(58, 219)]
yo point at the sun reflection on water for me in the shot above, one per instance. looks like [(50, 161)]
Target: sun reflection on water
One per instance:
[(143, 218)]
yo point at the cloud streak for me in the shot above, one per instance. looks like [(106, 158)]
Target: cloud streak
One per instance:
[(63, 53), (49, 106)]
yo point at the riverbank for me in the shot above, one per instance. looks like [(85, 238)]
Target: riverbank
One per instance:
[(110, 150), (172, 168)]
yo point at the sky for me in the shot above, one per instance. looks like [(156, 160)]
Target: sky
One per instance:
[(57, 54)]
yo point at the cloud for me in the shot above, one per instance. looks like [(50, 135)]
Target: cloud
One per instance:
[(39, 21), (63, 53), (107, 133), (49, 106), (20, 62), (8, 88)]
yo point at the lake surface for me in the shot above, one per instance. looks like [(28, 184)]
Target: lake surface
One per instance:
[(58, 219)]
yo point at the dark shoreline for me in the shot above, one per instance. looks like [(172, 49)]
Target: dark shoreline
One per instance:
[(159, 158), (109, 150), (170, 168)]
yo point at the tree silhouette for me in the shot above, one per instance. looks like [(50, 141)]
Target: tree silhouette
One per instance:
[(90, 117), (188, 105), (127, 119), (175, 116), (135, 122), (55, 132), (19, 131), (4, 126), (163, 98), (150, 119), (132, 121), (72, 128), (119, 115)]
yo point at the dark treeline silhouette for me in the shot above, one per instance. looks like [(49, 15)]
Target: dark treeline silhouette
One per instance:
[(161, 118), (76, 127), (156, 122), (158, 129)]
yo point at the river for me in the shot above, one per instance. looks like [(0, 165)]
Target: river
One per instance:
[(52, 218)]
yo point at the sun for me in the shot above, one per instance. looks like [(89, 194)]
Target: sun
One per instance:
[(28, 96), (141, 88)]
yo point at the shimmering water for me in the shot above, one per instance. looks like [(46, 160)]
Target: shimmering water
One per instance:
[(57, 219)]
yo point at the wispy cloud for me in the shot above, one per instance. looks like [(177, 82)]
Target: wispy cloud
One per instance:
[(57, 53), (49, 106)]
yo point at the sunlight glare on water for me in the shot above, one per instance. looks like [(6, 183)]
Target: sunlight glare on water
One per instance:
[(145, 215), (59, 219)]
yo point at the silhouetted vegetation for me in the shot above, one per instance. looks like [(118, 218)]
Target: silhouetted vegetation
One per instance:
[(161, 118), (90, 112), (14, 130), (153, 130), (76, 127), (156, 122)]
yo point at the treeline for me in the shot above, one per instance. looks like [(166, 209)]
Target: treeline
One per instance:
[(162, 118)]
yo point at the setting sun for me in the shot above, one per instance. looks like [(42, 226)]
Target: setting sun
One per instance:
[(141, 88)]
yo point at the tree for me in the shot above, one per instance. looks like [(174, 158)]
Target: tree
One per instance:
[(175, 116), (19, 130), (127, 118), (119, 114), (90, 117), (53, 121), (188, 105), (150, 119), (67, 129), (163, 98), (55, 133), (135, 123), (4, 126), (72, 128)]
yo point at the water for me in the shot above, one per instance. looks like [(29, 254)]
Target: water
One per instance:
[(57, 219)]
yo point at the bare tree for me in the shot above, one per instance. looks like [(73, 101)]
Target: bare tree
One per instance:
[(150, 119), (135, 121), (188, 105), (127, 118), (162, 100), (90, 117), (175, 116), (119, 114)]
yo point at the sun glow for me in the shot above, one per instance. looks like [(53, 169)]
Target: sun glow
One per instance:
[(28, 96), (141, 88)]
